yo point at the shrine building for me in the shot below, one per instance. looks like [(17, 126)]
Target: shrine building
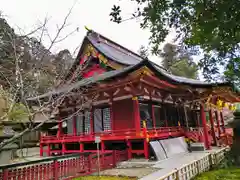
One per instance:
[(128, 101)]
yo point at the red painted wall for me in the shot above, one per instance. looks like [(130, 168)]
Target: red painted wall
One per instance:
[(123, 114)]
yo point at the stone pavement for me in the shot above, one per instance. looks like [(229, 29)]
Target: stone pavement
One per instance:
[(152, 170), (169, 165)]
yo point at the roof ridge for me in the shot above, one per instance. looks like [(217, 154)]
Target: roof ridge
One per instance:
[(113, 42)]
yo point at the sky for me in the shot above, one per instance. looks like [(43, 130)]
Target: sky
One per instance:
[(26, 15)]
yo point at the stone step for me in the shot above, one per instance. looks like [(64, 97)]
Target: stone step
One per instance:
[(197, 146)]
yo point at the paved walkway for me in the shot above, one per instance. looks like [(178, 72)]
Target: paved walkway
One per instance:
[(169, 165), (152, 170)]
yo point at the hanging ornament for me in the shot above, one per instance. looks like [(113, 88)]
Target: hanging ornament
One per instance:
[(219, 103), (234, 107)]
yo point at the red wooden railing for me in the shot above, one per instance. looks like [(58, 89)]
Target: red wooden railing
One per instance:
[(226, 139), (130, 133), (61, 167)]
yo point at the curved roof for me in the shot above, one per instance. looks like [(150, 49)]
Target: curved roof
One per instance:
[(160, 72), (133, 61), (112, 50)]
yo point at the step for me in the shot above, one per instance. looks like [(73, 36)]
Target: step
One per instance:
[(197, 146)]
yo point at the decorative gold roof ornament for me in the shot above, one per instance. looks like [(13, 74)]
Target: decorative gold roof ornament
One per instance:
[(90, 50)]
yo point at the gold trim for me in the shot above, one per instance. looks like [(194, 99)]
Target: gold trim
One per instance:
[(135, 98), (142, 71), (90, 50)]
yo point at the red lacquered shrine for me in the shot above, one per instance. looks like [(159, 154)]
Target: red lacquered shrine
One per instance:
[(132, 101)]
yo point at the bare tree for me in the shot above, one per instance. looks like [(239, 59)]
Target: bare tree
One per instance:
[(23, 81)]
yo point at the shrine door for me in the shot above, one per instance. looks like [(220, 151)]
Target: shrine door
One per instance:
[(102, 121)]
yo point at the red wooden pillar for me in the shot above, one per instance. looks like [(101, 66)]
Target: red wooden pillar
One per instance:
[(102, 146), (41, 149), (145, 141), (222, 121), (212, 127), (81, 147), (136, 114), (129, 145), (205, 130), (63, 148), (218, 122), (146, 149)]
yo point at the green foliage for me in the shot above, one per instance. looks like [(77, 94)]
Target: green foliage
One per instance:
[(233, 70), (213, 26), (10, 110), (178, 61), (223, 174), (184, 69), (18, 112)]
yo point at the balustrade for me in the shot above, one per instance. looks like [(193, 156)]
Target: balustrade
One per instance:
[(111, 133), (61, 167)]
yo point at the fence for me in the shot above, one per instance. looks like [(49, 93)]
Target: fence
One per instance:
[(61, 167), (189, 171)]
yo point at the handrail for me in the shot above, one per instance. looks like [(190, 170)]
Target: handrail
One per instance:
[(44, 160), (114, 132), (62, 167)]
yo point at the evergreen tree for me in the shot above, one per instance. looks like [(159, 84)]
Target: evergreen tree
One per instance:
[(178, 61)]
